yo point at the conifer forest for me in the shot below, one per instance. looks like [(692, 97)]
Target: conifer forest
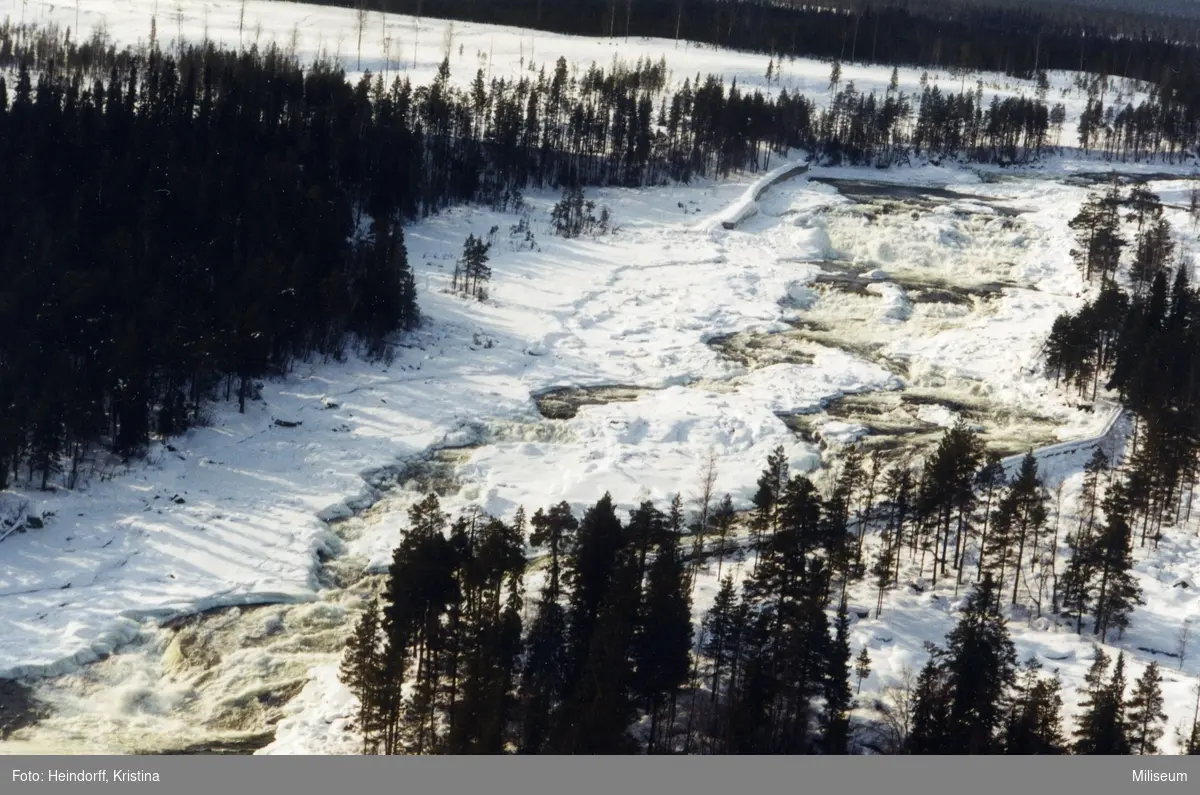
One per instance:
[(405, 377)]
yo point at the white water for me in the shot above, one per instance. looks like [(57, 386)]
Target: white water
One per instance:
[(222, 681)]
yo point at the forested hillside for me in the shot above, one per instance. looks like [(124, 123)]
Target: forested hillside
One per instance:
[(258, 218)]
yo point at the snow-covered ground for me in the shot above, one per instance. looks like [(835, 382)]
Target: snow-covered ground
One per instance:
[(235, 513), (397, 44)]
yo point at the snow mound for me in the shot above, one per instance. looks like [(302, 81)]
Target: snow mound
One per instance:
[(800, 296), (319, 717), (896, 307), (938, 415), (841, 434)]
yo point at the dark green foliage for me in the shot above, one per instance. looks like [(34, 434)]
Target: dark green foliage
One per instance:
[(1019, 524), (1146, 714), (947, 494), (838, 699), (1116, 592), (181, 222), (862, 666), (361, 664), (471, 273), (979, 663), (1100, 726), (1034, 723), (930, 730), (664, 639), (543, 685)]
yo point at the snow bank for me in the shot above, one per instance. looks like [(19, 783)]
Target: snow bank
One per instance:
[(747, 205), (321, 717), (896, 307)]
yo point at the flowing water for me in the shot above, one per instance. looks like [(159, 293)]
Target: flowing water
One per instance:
[(219, 682), (212, 683)]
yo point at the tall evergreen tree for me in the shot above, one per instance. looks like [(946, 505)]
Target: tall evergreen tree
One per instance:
[(1034, 723), (1146, 715), (980, 667), (838, 698), (1100, 726)]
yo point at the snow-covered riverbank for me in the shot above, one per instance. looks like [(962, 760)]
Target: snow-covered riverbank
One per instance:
[(961, 294)]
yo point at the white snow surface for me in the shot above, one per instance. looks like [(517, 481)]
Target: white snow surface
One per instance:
[(236, 512), (398, 44)]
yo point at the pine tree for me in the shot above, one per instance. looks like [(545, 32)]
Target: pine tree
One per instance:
[(590, 573), (361, 665), (769, 496), (980, 665), (1191, 746), (723, 518), (1117, 591), (1034, 724), (543, 685), (838, 698), (1146, 715), (862, 667), (1100, 726), (930, 732), (664, 639), (989, 480), (719, 633), (472, 273), (1025, 503)]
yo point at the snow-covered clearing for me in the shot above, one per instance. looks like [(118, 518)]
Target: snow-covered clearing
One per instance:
[(933, 312)]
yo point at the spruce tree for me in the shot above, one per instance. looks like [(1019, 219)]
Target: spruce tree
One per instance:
[(360, 668), (1100, 725), (930, 732), (838, 698), (664, 638), (980, 667), (1146, 715), (1034, 724), (1117, 591), (720, 626), (544, 674)]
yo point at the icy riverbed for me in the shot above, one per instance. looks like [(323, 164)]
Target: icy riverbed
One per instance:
[(850, 305), (639, 309)]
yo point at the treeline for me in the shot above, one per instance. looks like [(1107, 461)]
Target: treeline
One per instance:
[(1143, 342), (996, 36), (176, 225), (861, 129), (173, 232), (610, 660)]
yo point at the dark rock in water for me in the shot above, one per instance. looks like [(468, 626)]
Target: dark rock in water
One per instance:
[(288, 423), (222, 747), (1182, 584), (34, 522), (178, 500), (562, 403), (18, 707)]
